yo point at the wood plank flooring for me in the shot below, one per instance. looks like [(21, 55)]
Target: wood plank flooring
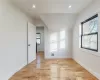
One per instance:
[(55, 69)]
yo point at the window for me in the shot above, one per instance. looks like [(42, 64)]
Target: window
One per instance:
[(38, 38), (89, 33), (62, 39), (53, 42), (57, 41)]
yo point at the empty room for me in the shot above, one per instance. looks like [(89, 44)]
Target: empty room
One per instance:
[(49, 39)]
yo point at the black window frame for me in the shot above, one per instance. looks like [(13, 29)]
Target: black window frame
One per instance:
[(94, 33), (38, 38)]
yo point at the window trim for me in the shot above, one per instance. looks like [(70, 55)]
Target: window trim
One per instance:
[(93, 17)]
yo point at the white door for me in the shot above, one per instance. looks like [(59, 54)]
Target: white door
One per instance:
[(31, 43)]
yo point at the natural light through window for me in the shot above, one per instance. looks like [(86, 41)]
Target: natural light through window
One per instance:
[(62, 44), (89, 33), (57, 41), (53, 47), (53, 37), (62, 35), (53, 42), (62, 39)]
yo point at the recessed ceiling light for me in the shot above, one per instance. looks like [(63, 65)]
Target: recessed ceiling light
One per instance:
[(69, 6), (33, 6)]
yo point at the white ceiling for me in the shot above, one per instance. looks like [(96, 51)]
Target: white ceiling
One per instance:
[(52, 6), (59, 21), (53, 12)]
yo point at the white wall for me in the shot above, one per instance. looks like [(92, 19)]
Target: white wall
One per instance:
[(13, 40), (41, 31), (65, 53), (88, 59)]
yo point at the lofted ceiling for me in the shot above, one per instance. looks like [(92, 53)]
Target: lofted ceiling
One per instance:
[(53, 12)]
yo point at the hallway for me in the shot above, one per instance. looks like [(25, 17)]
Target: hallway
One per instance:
[(55, 69)]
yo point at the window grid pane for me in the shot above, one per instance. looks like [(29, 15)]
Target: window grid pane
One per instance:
[(38, 35), (53, 37), (62, 35), (53, 47), (62, 44), (38, 41), (90, 26), (89, 41)]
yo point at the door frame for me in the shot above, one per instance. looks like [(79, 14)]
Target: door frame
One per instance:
[(27, 33), (27, 42)]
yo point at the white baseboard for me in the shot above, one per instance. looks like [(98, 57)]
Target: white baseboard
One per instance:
[(97, 75)]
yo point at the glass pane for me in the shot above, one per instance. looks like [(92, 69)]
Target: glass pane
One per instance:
[(90, 26), (53, 47), (62, 44), (90, 41), (53, 37), (37, 35), (62, 35), (38, 41)]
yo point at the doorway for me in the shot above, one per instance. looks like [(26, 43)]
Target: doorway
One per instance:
[(40, 41)]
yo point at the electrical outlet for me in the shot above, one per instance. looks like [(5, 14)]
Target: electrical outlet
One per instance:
[(52, 54)]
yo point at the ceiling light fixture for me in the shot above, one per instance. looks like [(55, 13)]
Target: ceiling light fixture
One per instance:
[(69, 6), (33, 6)]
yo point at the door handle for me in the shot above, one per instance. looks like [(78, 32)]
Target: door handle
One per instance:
[(29, 45)]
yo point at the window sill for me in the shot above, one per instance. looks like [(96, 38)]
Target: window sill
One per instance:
[(90, 52)]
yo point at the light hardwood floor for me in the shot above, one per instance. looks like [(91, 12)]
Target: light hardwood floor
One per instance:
[(55, 69)]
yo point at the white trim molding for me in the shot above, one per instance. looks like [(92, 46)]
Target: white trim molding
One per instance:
[(97, 75)]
